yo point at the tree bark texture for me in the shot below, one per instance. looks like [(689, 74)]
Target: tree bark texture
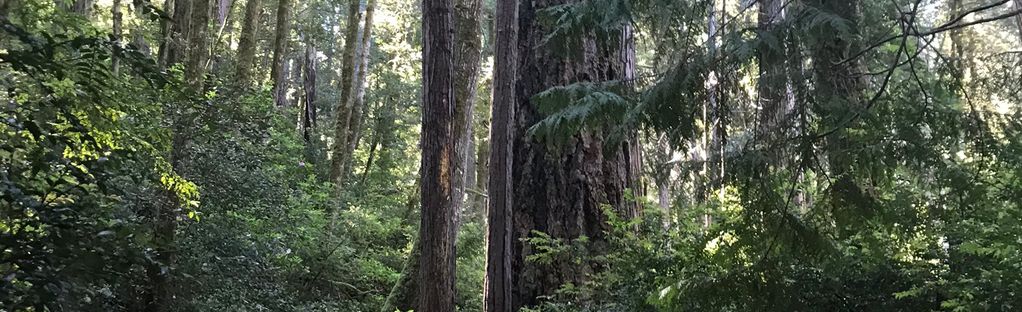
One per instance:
[(439, 149), (467, 55), (561, 193), (247, 42), (280, 51), (498, 292), (342, 112)]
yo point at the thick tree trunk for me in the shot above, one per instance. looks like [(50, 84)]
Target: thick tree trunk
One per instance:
[(839, 91), (280, 47), (342, 112), (562, 193), (498, 294), (247, 42), (198, 44), (439, 149)]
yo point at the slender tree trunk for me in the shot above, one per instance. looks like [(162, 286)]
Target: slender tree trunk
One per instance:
[(498, 292), (404, 296), (467, 55), (161, 289), (561, 193), (167, 33), (247, 42), (1018, 18), (339, 151), (280, 47), (439, 150), (309, 85), (359, 84), (479, 195), (772, 81), (115, 11)]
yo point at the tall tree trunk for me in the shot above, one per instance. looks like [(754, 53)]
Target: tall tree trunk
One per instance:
[(115, 12), (176, 41), (160, 271), (198, 44), (309, 86), (710, 146), (1018, 18), (479, 195), (138, 31), (772, 80), (359, 84), (839, 93), (280, 47), (499, 285), (342, 112), (247, 42), (561, 193), (166, 34), (161, 291), (439, 149), (467, 55)]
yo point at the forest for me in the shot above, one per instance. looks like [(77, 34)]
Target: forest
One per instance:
[(510, 155)]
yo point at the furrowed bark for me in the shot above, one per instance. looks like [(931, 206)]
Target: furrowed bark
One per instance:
[(439, 149), (562, 193), (499, 286), (467, 55)]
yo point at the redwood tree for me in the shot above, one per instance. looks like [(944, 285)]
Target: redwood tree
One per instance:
[(439, 149), (498, 292), (562, 192)]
